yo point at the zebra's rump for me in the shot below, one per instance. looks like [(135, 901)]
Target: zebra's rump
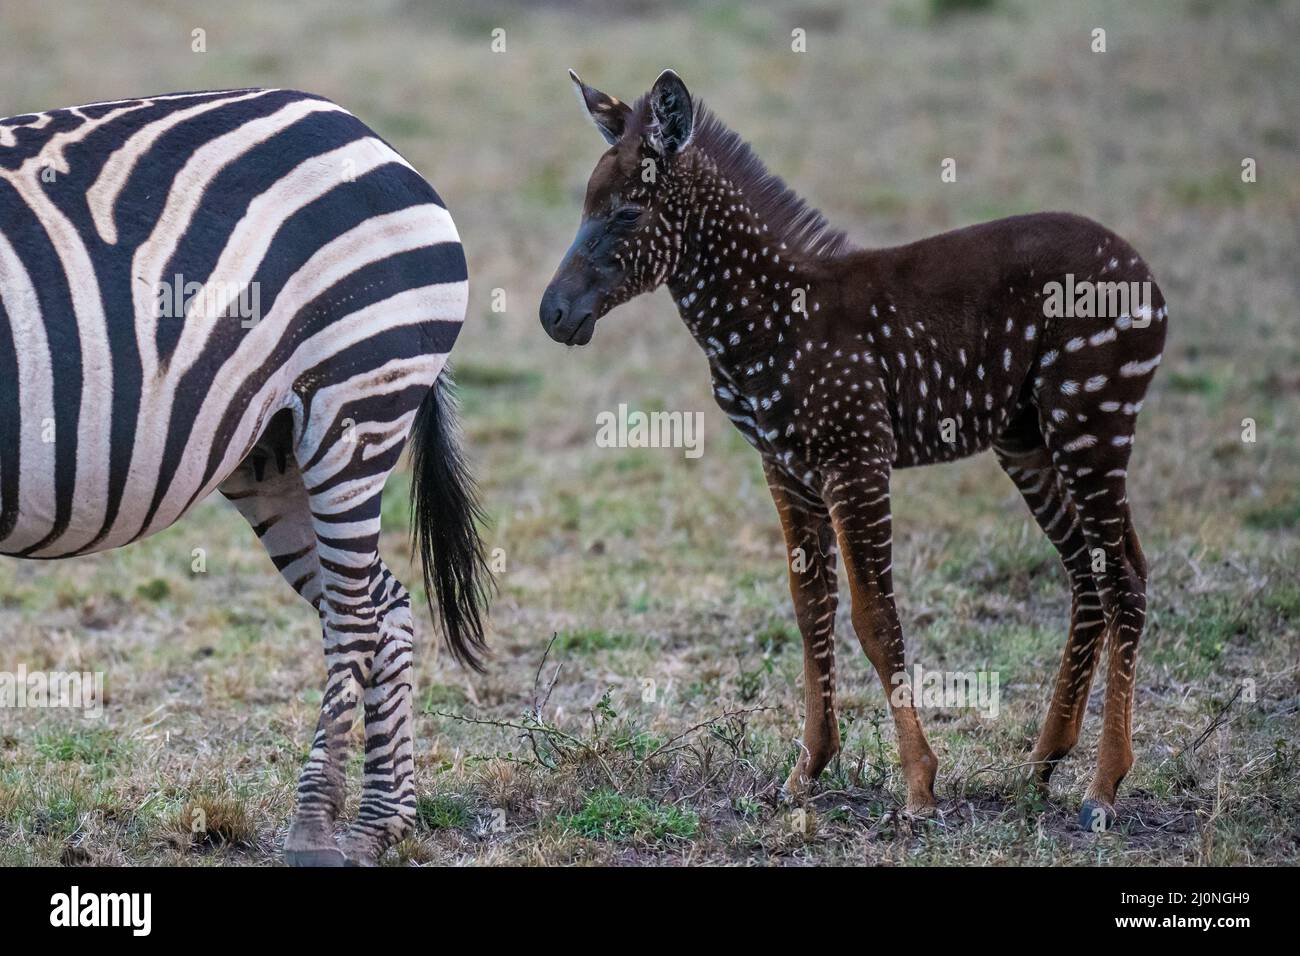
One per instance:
[(176, 269)]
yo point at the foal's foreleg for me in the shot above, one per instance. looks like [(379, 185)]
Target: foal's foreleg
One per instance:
[(859, 507), (810, 546)]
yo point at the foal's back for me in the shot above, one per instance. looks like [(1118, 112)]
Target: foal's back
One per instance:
[(961, 337), (174, 271)]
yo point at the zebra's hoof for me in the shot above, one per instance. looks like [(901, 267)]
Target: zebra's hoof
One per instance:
[(1096, 816), (329, 856), (360, 848)]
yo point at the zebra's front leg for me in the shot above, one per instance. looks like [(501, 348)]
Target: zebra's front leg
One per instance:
[(267, 489), (387, 811)]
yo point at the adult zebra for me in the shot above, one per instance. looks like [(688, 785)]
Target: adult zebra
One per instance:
[(246, 291)]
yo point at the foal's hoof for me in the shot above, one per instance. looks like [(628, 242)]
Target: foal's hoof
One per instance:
[(1033, 778), (795, 788), (1096, 816), (326, 856), (922, 811)]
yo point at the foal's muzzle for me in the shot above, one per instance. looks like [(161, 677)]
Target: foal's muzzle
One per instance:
[(568, 320)]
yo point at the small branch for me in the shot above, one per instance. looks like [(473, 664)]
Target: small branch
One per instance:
[(697, 727), (540, 705), (1217, 721), (545, 729)]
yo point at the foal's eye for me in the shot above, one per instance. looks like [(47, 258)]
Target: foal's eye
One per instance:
[(627, 215)]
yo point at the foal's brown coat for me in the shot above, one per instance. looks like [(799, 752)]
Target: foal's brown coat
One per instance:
[(839, 365)]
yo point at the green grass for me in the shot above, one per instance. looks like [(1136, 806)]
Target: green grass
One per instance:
[(443, 812), (1274, 517), (943, 8), (590, 640), (607, 815), (87, 747)]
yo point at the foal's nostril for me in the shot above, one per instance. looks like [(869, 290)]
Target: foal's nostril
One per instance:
[(552, 310)]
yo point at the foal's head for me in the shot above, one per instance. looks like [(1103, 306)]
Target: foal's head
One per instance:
[(634, 214)]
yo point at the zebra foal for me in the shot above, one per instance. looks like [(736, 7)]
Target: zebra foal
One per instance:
[(839, 365), (245, 291)]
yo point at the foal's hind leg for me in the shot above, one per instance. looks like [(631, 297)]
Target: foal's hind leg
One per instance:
[(1025, 458), (1095, 481)]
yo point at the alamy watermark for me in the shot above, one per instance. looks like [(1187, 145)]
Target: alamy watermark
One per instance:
[(178, 299), (624, 429), (79, 690), (971, 690), (133, 911), (1098, 300)]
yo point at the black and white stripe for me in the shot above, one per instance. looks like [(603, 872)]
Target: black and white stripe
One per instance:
[(116, 419)]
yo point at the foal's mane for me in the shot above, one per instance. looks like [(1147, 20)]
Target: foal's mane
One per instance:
[(803, 228)]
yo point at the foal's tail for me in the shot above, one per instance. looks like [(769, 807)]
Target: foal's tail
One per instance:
[(445, 515)]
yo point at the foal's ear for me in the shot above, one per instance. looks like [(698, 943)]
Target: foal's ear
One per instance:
[(609, 113), (672, 113)]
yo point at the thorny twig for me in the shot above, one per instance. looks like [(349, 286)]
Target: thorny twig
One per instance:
[(536, 725)]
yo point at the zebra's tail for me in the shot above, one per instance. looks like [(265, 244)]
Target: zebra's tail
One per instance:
[(445, 515)]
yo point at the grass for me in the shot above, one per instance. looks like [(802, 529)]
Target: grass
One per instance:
[(672, 717), (215, 821), (608, 815), (443, 812)]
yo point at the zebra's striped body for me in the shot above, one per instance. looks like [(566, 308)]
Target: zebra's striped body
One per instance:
[(246, 291)]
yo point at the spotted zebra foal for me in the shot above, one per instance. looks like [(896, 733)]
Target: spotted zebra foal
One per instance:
[(840, 365), (244, 291)]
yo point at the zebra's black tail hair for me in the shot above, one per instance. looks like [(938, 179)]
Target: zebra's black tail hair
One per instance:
[(445, 517)]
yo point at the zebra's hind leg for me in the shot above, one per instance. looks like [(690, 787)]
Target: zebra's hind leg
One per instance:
[(387, 811), (325, 543), (347, 535), (368, 630)]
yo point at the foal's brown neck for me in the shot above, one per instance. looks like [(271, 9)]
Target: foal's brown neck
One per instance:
[(747, 298)]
